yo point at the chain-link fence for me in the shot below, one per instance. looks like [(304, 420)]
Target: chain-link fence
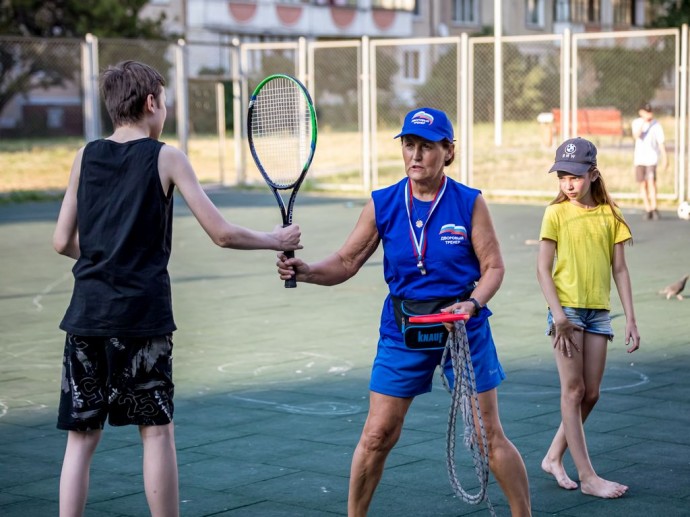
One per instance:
[(531, 87), (335, 69), (41, 99), (408, 74), (551, 87), (620, 72)]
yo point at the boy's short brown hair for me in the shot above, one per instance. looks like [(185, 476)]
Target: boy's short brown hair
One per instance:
[(125, 87)]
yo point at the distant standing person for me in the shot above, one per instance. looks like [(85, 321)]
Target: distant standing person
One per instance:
[(650, 153), (116, 222)]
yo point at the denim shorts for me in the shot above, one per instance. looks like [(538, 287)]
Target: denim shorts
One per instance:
[(594, 321)]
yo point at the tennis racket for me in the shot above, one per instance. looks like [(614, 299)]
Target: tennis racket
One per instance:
[(439, 317), (281, 129)]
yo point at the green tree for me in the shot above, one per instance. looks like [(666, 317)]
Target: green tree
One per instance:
[(76, 18), (528, 87), (623, 77), (27, 65), (441, 87), (671, 13)]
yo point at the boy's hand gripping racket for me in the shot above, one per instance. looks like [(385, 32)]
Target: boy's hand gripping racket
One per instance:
[(281, 129)]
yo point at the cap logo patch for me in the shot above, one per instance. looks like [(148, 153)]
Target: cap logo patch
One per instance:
[(422, 118), (569, 151)]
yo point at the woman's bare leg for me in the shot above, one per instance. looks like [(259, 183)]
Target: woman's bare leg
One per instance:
[(504, 459), (380, 434)]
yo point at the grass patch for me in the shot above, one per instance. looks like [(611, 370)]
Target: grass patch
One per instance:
[(36, 169)]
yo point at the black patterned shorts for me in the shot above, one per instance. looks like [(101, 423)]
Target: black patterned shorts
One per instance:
[(128, 380)]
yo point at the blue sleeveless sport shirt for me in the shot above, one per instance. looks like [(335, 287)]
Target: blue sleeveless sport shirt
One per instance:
[(451, 264)]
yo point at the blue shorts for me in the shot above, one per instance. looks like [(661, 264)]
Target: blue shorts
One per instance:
[(594, 321), (399, 371)]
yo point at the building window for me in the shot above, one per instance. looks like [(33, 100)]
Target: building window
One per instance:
[(55, 118), (534, 10), (577, 11), (466, 12), (627, 13), (338, 3), (417, 11), (400, 5), (410, 67)]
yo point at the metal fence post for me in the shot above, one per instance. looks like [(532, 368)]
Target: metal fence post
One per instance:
[(498, 74), (464, 109), (569, 80), (237, 119), (89, 63), (366, 115), (220, 122), (182, 104), (683, 115)]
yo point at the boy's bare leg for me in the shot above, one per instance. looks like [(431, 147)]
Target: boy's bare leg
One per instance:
[(76, 465), (160, 470)]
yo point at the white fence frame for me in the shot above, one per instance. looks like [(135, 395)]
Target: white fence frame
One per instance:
[(366, 70)]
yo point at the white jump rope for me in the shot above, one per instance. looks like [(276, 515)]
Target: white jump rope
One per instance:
[(464, 397)]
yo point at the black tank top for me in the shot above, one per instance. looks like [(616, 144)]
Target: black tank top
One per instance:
[(121, 281)]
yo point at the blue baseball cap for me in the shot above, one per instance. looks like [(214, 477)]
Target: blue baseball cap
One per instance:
[(428, 123), (575, 156)]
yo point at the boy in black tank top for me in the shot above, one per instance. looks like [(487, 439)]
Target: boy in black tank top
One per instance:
[(116, 221)]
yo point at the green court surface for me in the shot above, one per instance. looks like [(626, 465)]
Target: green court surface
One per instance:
[(272, 383)]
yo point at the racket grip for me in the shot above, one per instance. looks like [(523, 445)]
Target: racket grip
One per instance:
[(290, 282)]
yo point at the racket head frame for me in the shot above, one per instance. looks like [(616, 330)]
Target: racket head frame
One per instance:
[(285, 209)]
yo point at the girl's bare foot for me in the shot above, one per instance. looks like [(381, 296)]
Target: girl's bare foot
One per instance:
[(600, 487), (556, 469)]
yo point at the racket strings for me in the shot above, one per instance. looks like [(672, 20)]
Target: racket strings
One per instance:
[(464, 398), (282, 127)]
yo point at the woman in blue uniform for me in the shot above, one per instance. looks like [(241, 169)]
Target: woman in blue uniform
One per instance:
[(440, 253)]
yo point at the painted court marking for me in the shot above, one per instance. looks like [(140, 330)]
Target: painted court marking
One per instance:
[(39, 297), (641, 379), (28, 405), (301, 367), (314, 408)]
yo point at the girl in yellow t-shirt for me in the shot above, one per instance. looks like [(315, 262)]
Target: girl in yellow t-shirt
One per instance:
[(581, 246)]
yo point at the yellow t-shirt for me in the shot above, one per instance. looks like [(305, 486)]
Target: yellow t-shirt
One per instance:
[(584, 252)]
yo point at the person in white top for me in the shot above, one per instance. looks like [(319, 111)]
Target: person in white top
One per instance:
[(650, 152)]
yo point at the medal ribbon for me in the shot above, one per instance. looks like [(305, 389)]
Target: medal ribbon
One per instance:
[(419, 245)]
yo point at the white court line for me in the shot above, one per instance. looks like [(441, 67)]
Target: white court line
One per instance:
[(313, 366), (642, 379), (37, 299), (315, 408), (5, 407)]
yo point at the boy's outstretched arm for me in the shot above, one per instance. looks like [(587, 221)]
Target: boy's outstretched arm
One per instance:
[(66, 236), (175, 169)]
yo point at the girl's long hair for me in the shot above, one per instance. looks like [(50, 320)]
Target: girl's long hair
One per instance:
[(600, 196)]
